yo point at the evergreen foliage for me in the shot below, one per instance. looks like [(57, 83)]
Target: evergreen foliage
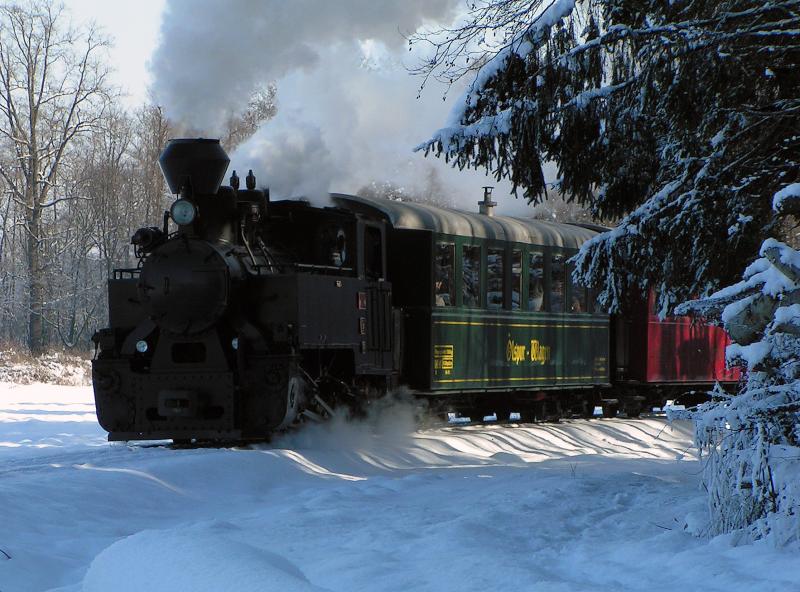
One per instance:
[(752, 440), (682, 116)]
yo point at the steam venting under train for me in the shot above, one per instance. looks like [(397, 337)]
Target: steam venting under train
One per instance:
[(245, 316)]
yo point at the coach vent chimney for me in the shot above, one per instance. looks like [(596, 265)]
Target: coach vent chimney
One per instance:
[(487, 205)]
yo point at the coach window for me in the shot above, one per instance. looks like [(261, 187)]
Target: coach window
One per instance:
[(444, 287), (577, 294), (557, 283), (495, 261), (594, 305), (536, 281), (516, 279), (471, 275)]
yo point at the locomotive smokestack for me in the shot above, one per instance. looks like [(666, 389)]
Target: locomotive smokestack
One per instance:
[(195, 164)]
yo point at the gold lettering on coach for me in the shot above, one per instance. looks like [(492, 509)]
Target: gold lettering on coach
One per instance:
[(515, 353), (443, 359), (540, 354)]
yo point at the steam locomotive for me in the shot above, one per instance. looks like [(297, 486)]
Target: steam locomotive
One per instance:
[(246, 315)]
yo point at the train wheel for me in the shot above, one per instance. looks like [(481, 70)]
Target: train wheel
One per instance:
[(610, 410), (503, 413), (634, 405), (552, 411), (633, 411)]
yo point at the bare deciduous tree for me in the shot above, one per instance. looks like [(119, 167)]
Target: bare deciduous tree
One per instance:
[(260, 108), (53, 89)]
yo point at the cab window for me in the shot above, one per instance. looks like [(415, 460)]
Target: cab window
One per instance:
[(444, 287)]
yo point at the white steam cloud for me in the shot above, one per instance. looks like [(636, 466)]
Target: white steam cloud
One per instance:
[(347, 108), (214, 54)]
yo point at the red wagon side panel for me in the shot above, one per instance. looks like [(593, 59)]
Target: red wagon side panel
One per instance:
[(677, 350)]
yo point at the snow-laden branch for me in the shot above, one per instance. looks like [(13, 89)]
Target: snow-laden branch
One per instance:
[(753, 439)]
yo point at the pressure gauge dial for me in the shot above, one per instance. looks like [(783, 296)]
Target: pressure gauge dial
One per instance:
[(183, 212)]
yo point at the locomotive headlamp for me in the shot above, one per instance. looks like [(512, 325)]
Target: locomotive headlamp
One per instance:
[(235, 343), (141, 346), (183, 212)]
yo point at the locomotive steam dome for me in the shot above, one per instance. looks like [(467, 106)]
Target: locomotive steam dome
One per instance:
[(199, 163), (184, 286)]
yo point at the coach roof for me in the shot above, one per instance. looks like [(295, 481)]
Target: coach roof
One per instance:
[(419, 216)]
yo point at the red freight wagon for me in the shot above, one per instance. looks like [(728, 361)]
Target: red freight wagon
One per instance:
[(673, 353)]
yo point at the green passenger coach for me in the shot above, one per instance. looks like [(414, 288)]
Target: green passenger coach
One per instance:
[(488, 303)]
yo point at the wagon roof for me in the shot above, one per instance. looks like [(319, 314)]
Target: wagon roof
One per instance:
[(419, 216)]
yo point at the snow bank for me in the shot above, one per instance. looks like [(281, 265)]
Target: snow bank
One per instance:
[(198, 559), (369, 504), (52, 368), (37, 419)]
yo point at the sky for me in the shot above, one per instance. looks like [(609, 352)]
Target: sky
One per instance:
[(347, 116), (134, 29)]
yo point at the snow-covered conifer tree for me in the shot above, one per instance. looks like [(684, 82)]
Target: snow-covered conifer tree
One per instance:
[(681, 116), (752, 439)]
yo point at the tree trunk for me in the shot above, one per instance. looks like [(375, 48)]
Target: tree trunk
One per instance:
[(35, 286)]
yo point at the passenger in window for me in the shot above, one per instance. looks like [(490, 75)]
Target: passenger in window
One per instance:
[(576, 305), (471, 275), (557, 283), (535, 295), (557, 296), (494, 276), (536, 282), (443, 285), (516, 280), (442, 293)]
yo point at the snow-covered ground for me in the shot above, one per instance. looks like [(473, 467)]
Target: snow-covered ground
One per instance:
[(596, 505)]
